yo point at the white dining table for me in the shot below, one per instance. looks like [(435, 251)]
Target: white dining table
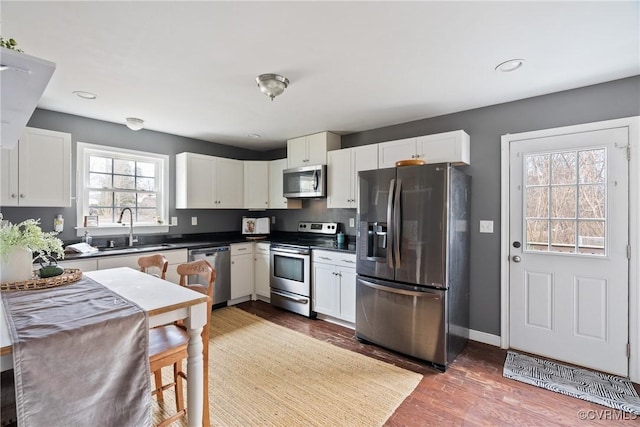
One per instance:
[(164, 302)]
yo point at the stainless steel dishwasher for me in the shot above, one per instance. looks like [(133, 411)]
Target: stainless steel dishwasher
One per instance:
[(220, 258)]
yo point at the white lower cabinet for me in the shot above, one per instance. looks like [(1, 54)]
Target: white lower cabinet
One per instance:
[(242, 270), (334, 284), (261, 271), (175, 257), (83, 264)]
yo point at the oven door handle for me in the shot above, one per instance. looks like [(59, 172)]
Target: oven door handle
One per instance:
[(287, 296), (287, 251)]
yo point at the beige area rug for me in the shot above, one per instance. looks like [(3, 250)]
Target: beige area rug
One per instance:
[(262, 374)]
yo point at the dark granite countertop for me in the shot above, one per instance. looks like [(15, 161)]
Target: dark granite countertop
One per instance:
[(202, 241)]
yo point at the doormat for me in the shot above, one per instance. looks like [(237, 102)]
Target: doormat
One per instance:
[(604, 389)]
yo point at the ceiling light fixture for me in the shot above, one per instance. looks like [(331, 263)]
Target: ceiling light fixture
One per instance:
[(510, 65), (272, 85), (134, 123), (84, 95), (254, 135)]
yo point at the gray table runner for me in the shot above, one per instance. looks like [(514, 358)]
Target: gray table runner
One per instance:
[(80, 355)]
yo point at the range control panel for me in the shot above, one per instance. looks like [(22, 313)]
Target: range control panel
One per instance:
[(318, 227)]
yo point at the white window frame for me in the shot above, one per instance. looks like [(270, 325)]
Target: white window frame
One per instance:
[(84, 150)]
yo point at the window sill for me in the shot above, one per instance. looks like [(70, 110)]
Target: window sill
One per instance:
[(123, 230)]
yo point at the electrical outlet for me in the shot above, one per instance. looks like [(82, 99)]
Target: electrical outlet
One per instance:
[(352, 222), (194, 220), (174, 220), (486, 226), (273, 219)]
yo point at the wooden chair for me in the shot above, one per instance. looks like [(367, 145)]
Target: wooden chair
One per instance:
[(154, 261), (168, 344)]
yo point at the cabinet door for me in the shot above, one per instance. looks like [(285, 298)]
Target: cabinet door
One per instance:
[(450, 147), (347, 308), (241, 276), (194, 181), (363, 159), (297, 154), (390, 152), (262, 274), (82, 264), (276, 199), (229, 183), (339, 177), (317, 149), (256, 185), (9, 177), (325, 291), (44, 172), (118, 261)]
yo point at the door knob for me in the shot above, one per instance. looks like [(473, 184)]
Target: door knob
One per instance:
[(516, 258)]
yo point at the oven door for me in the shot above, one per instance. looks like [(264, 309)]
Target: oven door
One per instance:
[(290, 272)]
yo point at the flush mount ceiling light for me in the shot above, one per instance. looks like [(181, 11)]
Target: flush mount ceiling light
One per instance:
[(254, 135), (272, 85), (134, 123), (510, 65), (84, 95)]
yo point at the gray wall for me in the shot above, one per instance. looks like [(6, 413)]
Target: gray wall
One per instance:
[(485, 126), (117, 135)]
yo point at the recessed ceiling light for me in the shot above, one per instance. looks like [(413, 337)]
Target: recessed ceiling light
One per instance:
[(85, 95), (253, 135), (510, 65)]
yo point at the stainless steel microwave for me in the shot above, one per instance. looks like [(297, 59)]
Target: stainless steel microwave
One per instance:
[(303, 182)]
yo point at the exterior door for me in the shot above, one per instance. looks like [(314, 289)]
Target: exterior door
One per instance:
[(569, 223)]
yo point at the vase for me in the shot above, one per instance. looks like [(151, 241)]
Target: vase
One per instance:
[(17, 266)]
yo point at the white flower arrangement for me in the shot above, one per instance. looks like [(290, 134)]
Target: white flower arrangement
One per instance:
[(28, 234)]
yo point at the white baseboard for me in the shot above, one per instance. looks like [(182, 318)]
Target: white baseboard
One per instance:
[(484, 337)]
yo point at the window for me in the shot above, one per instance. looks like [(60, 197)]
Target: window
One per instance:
[(111, 179), (566, 197)]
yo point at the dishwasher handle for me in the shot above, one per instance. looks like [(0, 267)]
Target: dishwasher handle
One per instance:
[(208, 251)]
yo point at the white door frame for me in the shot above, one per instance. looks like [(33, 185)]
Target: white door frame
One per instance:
[(633, 123)]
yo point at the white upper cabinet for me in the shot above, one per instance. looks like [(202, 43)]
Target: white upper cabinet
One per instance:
[(311, 149), (449, 147), (24, 79), (256, 184), (342, 174), (390, 152), (37, 172), (208, 182), (229, 183), (452, 147), (276, 184)]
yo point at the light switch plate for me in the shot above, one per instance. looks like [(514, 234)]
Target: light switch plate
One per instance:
[(273, 219), (352, 222), (194, 220), (486, 226), (174, 220)]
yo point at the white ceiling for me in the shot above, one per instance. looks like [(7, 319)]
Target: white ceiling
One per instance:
[(189, 68)]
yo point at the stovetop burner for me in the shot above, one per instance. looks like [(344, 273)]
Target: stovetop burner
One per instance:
[(311, 234)]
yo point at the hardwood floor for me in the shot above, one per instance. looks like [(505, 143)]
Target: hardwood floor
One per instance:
[(472, 392)]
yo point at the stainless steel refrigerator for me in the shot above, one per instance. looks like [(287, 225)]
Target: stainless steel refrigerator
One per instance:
[(412, 286)]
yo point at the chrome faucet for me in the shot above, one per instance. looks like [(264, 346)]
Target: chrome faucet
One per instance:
[(131, 239)]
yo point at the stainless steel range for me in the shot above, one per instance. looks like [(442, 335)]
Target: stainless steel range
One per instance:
[(290, 268)]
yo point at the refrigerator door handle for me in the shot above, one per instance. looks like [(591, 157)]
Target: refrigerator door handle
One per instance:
[(429, 295), (390, 233), (397, 223)]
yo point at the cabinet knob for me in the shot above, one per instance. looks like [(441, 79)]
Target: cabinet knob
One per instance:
[(22, 196), (14, 195)]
